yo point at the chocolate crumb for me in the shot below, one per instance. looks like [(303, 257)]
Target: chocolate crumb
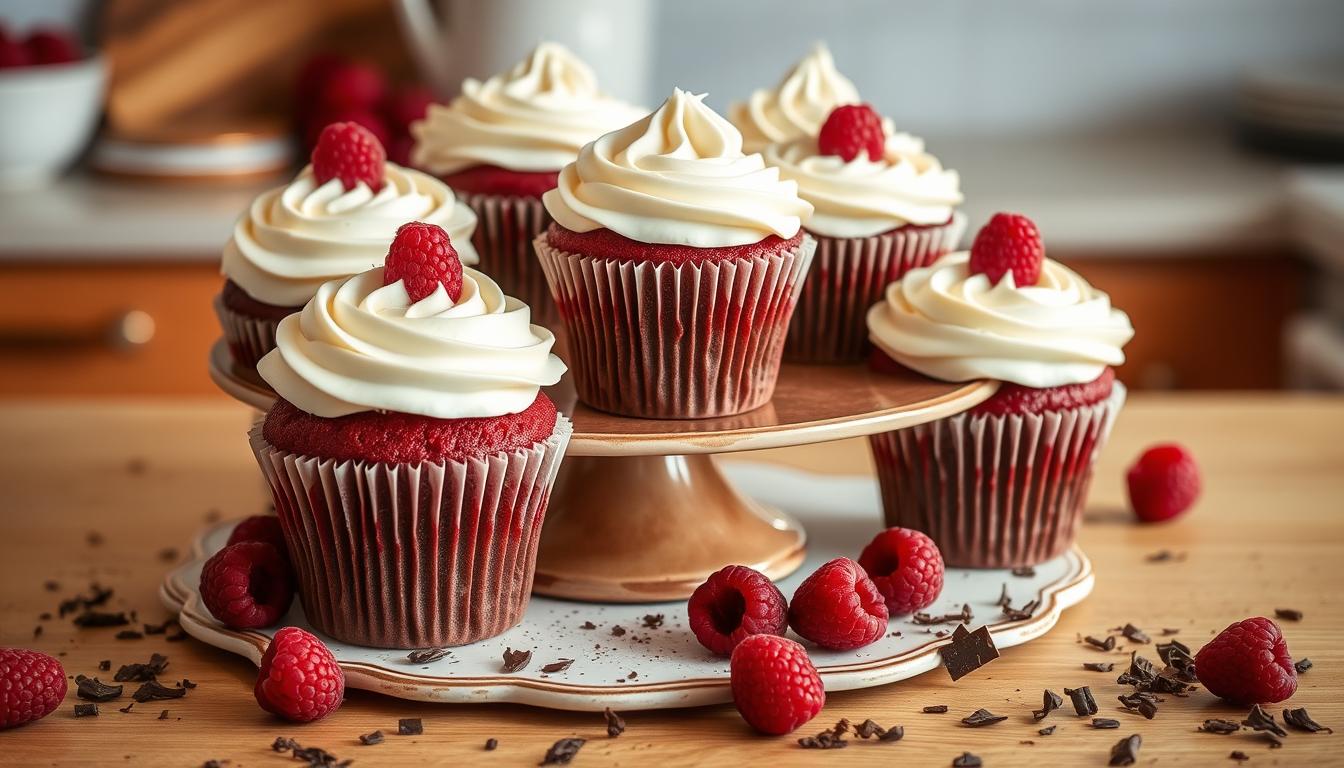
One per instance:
[(563, 751), (155, 691), (214, 763), (1237, 754), (615, 723), (1299, 719), (1169, 631), (587, 625), (617, 631), (633, 674), (894, 733), (1165, 556), (653, 620), (369, 739), (868, 729), (1050, 701), (86, 710), (93, 689), (1303, 665), (1220, 727), (1105, 723), (1134, 634), (410, 726), (1126, 751), (187, 683), (557, 666), (1046, 731), (1083, 703), (1106, 645), (1025, 571), (1098, 666), (1144, 703), (105, 665), (516, 660), (491, 744), (163, 715), (51, 586), (982, 717), (968, 651), (130, 634), (1288, 614), (91, 619), (935, 709), (284, 744), (169, 554), (823, 740), (966, 760), (426, 655), (126, 710), (159, 629), (94, 539), (140, 673)]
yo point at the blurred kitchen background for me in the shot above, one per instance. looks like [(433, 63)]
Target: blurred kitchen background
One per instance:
[(1184, 155)]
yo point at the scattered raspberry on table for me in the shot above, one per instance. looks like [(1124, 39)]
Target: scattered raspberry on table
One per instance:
[(1163, 483), (1248, 663), (775, 686), (32, 686)]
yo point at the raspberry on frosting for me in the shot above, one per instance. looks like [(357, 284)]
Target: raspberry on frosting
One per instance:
[(852, 130), (350, 152), (422, 256), (1010, 242)]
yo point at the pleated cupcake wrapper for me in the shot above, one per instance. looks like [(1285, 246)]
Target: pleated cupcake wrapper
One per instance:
[(413, 555), (505, 228), (848, 276), (672, 341), (995, 491), (249, 338)]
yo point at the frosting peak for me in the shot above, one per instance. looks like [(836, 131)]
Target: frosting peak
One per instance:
[(677, 177), (360, 345), (797, 106), (534, 117), (947, 323)]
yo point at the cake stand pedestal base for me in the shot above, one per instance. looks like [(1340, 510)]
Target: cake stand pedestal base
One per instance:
[(648, 528)]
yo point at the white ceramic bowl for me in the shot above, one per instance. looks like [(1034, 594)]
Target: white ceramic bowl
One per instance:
[(47, 116)]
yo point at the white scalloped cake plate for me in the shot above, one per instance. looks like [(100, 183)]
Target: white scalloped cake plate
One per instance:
[(664, 667)]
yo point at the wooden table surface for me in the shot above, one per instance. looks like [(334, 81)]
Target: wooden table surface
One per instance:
[(98, 491)]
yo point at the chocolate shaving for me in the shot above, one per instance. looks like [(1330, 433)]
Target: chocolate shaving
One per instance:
[(516, 660), (982, 717), (1106, 645), (1299, 719), (1098, 666), (963, 617), (1126, 751), (563, 751), (1135, 634), (126, 710), (187, 683), (968, 651), (1261, 720), (1050, 701), (491, 744), (140, 673), (1105, 723), (1083, 703), (1025, 571), (92, 619), (1025, 612), (410, 726), (1288, 614), (155, 691), (935, 709), (1219, 727), (1302, 665), (93, 689), (369, 739), (615, 723), (966, 760), (1004, 600), (86, 710), (557, 666), (1144, 703), (1171, 652), (427, 655), (653, 620), (1046, 731)]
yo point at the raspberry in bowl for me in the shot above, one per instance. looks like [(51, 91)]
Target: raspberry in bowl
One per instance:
[(411, 451), (333, 220), (881, 207), (675, 261), (501, 144), (1004, 484)]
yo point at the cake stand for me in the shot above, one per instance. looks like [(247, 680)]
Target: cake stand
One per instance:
[(640, 513)]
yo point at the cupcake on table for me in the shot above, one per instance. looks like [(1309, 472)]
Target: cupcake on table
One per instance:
[(411, 451), (501, 145), (797, 106), (335, 219), (882, 206), (675, 261), (1003, 485)]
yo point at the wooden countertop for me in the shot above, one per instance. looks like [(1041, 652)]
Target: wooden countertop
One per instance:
[(1268, 533)]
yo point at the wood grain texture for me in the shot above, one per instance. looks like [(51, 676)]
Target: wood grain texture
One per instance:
[(1268, 533)]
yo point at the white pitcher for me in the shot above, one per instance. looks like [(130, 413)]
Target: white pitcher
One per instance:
[(453, 39)]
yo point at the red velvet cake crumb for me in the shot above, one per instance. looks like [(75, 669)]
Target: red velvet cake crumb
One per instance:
[(493, 180), (403, 438), (239, 301), (1017, 399), (606, 244)]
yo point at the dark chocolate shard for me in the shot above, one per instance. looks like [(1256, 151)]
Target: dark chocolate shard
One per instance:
[(1025, 571), (140, 673), (93, 689), (410, 726), (1106, 645), (563, 751), (1126, 750), (86, 710), (1105, 723), (1083, 703), (1303, 665), (1288, 614), (615, 723), (1299, 719), (155, 691), (1261, 720), (369, 739), (1050, 701), (427, 655), (868, 729), (968, 652), (982, 717), (894, 733), (557, 666), (1098, 666), (105, 665), (1046, 731), (516, 660), (1141, 702), (1220, 727), (653, 620), (935, 709), (1134, 634), (966, 760), (126, 710), (91, 619)]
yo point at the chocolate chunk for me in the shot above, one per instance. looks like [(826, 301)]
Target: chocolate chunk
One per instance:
[(105, 665), (491, 744), (968, 651), (966, 760), (284, 744), (187, 683), (86, 710), (154, 691), (617, 631), (1025, 571), (587, 625), (823, 740), (1098, 666), (615, 723), (126, 710), (894, 733), (557, 666), (1135, 634), (935, 709), (1105, 723), (427, 655), (410, 726), (868, 729), (1299, 719), (318, 757), (91, 619), (1261, 720), (563, 751), (93, 689), (1237, 754), (1303, 665), (1050, 701), (369, 739), (1083, 703), (1126, 751), (516, 660), (130, 634), (982, 717), (1049, 729), (1220, 727), (162, 715), (653, 620), (1106, 645), (1144, 703), (139, 673), (1288, 614)]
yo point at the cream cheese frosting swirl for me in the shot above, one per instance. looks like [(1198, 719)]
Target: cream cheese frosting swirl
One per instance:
[(295, 238), (535, 117), (677, 177), (863, 197), (949, 324), (797, 106), (360, 345)]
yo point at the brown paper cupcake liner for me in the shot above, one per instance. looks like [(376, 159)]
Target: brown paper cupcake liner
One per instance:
[(850, 275), (995, 491), (249, 338), (413, 556), (505, 228), (665, 341)]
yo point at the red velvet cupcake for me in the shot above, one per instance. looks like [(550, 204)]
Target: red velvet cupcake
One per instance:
[(1004, 484), (500, 145), (411, 466), (675, 261)]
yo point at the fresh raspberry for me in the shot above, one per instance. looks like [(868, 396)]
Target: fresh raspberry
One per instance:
[(1248, 663), (371, 121), (350, 152), (350, 85), (32, 686), (1163, 483), (407, 105), (906, 567), (734, 603), (852, 130), (1010, 242), (299, 679), (52, 46), (247, 585), (265, 528), (424, 257), (775, 686), (838, 607)]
